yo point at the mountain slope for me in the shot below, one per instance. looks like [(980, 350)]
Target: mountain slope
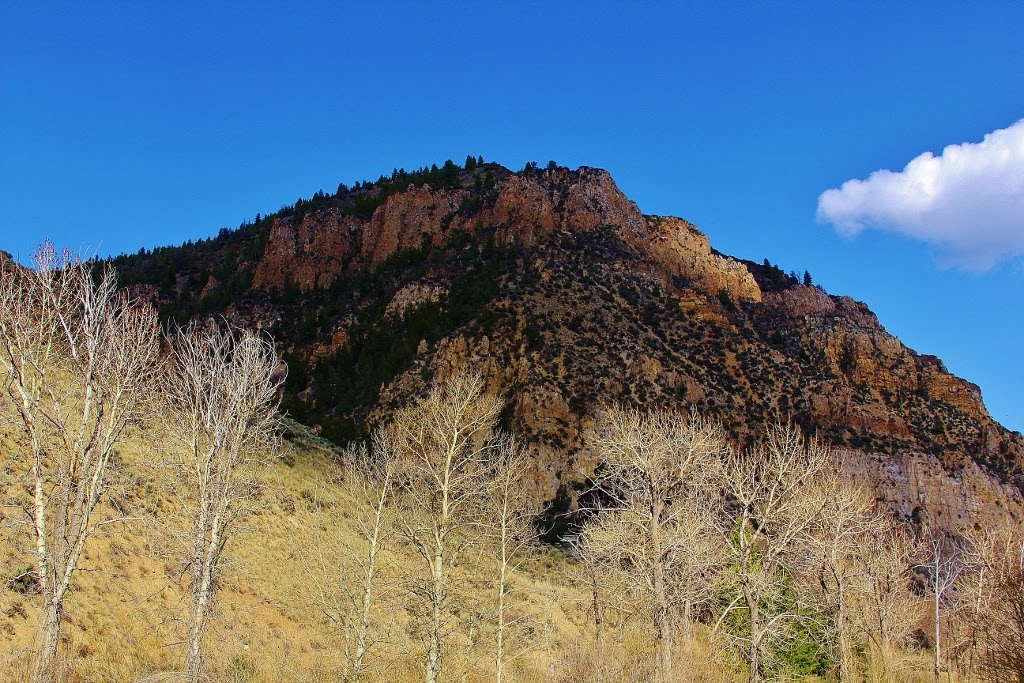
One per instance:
[(567, 297)]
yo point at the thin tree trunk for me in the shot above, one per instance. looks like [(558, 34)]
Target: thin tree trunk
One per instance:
[(499, 660), (938, 641), (845, 650), (207, 560), (596, 596), (845, 655), (470, 642), (753, 659), (687, 619), (194, 658), (976, 621), (371, 572), (364, 621), (663, 644), (49, 638), (437, 594), (49, 631)]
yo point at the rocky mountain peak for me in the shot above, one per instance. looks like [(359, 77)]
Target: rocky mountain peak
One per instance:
[(526, 209), (555, 286)]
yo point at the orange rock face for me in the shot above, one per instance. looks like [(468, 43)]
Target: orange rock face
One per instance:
[(685, 251), (524, 209), (936, 381), (601, 304), (405, 220), (310, 254)]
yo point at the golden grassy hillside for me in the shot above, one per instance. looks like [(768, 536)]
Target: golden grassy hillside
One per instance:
[(124, 617)]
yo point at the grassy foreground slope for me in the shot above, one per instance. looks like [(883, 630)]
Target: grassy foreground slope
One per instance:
[(125, 615)]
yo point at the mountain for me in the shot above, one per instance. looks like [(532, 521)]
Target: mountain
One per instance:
[(554, 285)]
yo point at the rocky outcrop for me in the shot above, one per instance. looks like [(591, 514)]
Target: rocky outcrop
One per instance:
[(851, 343), (310, 254), (566, 298), (412, 295), (525, 210), (530, 208), (937, 382), (406, 220), (874, 384), (799, 303), (684, 251)]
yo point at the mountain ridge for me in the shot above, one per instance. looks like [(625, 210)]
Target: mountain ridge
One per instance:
[(567, 297)]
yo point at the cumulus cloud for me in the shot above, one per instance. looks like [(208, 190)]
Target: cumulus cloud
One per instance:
[(968, 202)]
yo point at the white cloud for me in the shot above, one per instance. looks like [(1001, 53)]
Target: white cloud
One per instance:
[(968, 202)]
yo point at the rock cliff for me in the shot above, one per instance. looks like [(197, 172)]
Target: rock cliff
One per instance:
[(558, 289), (526, 210)]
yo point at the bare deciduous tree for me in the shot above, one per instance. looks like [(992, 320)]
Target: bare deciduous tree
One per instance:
[(344, 582), (659, 475), (977, 586), (442, 442), (886, 610), (773, 515), (588, 572), (996, 589), (942, 573), (374, 482), (839, 537), (511, 513), (77, 356), (222, 387), (1001, 655)]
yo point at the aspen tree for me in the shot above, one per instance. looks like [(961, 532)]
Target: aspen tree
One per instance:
[(510, 514), (659, 475), (774, 513), (442, 442), (77, 357), (943, 569), (345, 582), (222, 387)]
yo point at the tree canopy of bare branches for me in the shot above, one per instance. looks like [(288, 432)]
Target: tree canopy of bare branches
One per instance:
[(839, 538), (774, 515), (1001, 656), (886, 609), (343, 581), (945, 565), (442, 442), (77, 357), (659, 474), (221, 386), (510, 516)]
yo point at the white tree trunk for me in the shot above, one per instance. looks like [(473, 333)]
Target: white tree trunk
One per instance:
[(938, 639), (499, 659), (209, 549), (436, 617)]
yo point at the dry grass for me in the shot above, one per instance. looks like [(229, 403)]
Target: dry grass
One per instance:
[(123, 620), (124, 616)]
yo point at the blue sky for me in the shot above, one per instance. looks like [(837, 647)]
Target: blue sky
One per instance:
[(141, 124)]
